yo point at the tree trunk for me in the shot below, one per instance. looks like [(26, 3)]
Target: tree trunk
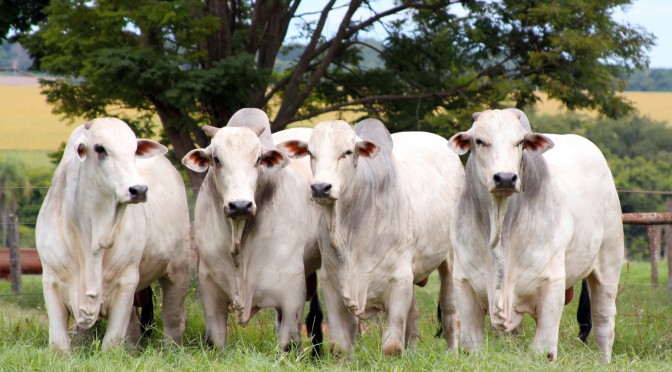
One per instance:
[(177, 130), (653, 231), (14, 253)]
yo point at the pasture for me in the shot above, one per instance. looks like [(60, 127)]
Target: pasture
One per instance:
[(643, 339)]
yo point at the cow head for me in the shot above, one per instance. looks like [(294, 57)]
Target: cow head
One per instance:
[(236, 159), (334, 151), (497, 141), (107, 148)]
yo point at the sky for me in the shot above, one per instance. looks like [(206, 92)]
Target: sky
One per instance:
[(654, 16)]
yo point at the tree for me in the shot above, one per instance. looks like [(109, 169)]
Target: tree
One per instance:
[(14, 186), (193, 62)]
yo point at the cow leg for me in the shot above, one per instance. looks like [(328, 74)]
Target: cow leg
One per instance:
[(412, 325), (472, 317), (175, 288), (59, 340), (548, 313), (399, 303), (603, 312), (289, 331), (120, 311), (448, 306), (133, 332), (216, 310), (343, 326)]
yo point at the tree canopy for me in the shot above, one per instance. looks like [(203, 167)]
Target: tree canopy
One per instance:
[(194, 62)]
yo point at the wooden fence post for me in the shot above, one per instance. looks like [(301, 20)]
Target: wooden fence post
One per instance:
[(14, 253), (668, 250), (653, 231)]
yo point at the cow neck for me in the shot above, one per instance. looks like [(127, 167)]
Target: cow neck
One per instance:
[(361, 205), (97, 224), (517, 211)]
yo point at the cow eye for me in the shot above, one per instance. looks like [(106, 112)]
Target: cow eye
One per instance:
[(345, 154), (100, 150), (479, 142), (521, 142), (258, 161), (216, 159)]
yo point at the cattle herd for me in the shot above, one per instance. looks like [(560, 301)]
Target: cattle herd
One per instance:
[(374, 214)]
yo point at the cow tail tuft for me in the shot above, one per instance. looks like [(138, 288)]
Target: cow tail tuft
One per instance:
[(583, 312), (147, 315), (314, 327), (438, 316)]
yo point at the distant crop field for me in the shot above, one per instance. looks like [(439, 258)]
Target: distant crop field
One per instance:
[(27, 123)]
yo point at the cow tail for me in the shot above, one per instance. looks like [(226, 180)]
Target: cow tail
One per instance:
[(147, 315), (438, 316), (314, 327), (583, 312)]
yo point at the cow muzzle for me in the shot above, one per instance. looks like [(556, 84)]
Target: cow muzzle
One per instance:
[(137, 194), (505, 183), (322, 193), (239, 209)]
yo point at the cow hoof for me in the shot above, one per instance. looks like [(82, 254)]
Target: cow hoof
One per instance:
[(393, 348)]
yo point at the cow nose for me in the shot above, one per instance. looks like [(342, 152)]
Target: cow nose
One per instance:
[(321, 190), (505, 180), (138, 193), (239, 208)]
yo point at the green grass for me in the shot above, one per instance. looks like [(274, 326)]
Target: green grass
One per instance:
[(643, 340), (31, 158)]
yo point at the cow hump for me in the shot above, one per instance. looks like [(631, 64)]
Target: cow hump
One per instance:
[(375, 131)]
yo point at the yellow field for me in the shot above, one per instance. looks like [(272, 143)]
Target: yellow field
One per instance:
[(26, 121)]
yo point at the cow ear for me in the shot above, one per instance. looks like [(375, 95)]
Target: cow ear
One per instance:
[(198, 160), (367, 149), (537, 144), (460, 143), (80, 150), (294, 148), (210, 130), (148, 148), (274, 159)]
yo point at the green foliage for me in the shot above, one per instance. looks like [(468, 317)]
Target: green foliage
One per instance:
[(194, 63), (651, 80)]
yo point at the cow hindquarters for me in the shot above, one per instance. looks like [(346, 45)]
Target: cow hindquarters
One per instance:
[(549, 306), (59, 340), (450, 321), (603, 313)]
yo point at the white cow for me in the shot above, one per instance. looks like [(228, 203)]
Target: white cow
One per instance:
[(387, 202), (109, 226), (255, 228), (537, 214)]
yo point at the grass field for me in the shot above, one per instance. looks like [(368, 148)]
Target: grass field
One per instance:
[(26, 121), (643, 340)]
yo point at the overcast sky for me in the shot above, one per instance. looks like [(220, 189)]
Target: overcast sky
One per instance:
[(655, 16)]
